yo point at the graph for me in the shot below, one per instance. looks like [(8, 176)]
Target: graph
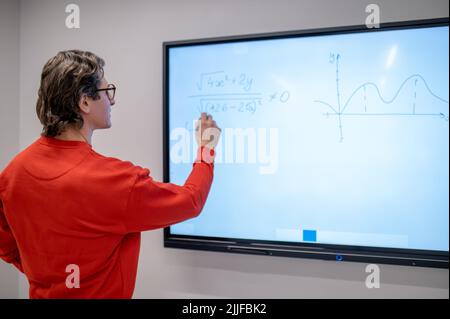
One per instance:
[(340, 109)]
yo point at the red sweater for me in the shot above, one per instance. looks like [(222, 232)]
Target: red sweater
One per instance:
[(61, 203)]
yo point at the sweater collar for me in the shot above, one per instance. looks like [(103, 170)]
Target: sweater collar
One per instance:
[(62, 143)]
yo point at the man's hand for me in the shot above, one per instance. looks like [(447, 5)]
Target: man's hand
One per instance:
[(207, 132)]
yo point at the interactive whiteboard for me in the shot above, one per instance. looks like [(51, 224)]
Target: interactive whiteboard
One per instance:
[(334, 140)]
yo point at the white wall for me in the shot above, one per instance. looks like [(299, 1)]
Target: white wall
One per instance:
[(9, 113), (128, 35)]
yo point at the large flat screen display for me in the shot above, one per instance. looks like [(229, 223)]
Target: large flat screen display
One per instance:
[(335, 142)]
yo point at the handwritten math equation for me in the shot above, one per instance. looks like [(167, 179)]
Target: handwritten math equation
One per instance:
[(220, 91)]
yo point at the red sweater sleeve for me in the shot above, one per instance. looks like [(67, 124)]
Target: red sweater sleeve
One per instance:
[(8, 247), (154, 205)]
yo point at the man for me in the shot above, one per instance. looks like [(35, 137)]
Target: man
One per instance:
[(67, 210)]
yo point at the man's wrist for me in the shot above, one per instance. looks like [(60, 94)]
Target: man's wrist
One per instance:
[(205, 154)]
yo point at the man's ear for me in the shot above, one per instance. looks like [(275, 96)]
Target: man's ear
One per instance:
[(84, 104)]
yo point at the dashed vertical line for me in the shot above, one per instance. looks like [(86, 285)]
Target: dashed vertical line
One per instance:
[(415, 96), (338, 96)]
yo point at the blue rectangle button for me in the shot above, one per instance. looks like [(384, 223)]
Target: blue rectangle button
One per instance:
[(309, 235)]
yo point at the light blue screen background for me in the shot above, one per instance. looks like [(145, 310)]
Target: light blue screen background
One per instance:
[(363, 149)]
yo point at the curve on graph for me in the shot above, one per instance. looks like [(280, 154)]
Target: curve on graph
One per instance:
[(385, 101), (330, 106)]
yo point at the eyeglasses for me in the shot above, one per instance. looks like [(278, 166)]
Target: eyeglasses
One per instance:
[(110, 91)]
